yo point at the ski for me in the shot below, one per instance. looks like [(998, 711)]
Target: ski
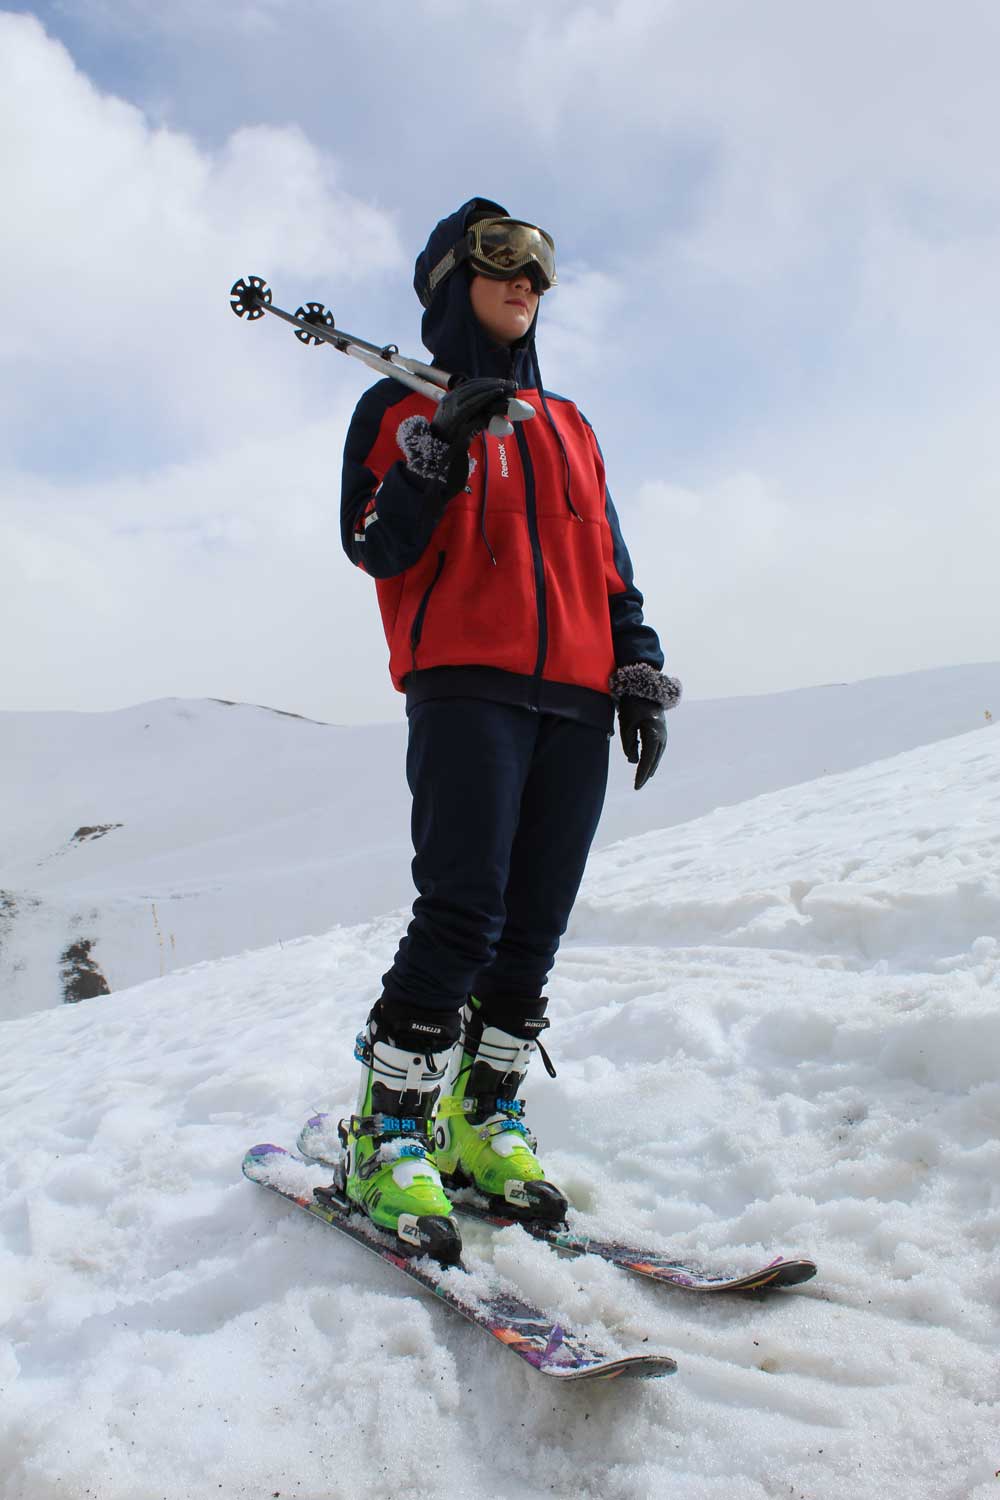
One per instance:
[(318, 1142), (545, 1345), (653, 1265)]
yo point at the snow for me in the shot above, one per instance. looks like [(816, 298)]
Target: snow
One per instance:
[(776, 1027), (231, 827)]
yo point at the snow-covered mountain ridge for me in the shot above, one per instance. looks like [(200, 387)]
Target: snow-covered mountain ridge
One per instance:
[(776, 1027), (155, 837)]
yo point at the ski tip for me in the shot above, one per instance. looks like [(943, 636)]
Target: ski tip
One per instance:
[(256, 1159), (632, 1367), (793, 1273), (649, 1366)]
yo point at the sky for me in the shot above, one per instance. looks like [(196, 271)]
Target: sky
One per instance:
[(777, 229)]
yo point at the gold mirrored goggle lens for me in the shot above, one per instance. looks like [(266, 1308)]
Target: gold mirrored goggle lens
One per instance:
[(501, 247)]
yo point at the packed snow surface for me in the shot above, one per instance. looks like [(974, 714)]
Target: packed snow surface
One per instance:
[(776, 1028)]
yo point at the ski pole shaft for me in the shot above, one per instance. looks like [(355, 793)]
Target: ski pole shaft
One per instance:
[(388, 361), (396, 369), (313, 324)]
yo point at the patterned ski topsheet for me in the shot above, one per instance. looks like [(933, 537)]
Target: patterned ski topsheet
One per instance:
[(653, 1265), (547, 1346), (318, 1141)]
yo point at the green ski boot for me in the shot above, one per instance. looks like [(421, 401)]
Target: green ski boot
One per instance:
[(388, 1170), (480, 1137)]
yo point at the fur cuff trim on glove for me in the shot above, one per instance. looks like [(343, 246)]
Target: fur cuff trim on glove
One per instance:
[(426, 454), (640, 680)]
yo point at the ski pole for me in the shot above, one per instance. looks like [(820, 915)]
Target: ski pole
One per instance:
[(313, 324)]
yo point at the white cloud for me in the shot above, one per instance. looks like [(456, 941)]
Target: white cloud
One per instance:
[(230, 582), (761, 589), (778, 231), (169, 504), (577, 324), (125, 239)]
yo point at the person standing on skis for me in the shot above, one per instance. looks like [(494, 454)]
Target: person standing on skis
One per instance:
[(516, 632)]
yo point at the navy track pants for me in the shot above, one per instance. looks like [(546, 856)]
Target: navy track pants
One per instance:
[(506, 803)]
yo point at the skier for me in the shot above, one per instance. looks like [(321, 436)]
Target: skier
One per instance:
[(515, 630)]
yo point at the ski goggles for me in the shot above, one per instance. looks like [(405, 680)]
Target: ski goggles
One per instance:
[(499, 248)]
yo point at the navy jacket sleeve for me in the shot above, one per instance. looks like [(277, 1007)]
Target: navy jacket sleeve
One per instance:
[(387, 514), (634, 640)]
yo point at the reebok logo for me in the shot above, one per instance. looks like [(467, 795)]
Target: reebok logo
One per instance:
[(504, 470)]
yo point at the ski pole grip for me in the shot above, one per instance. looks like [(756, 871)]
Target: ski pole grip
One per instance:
[(517, 411)]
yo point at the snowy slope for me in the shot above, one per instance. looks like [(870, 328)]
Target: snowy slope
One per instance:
[(229, 827), (775, 1027)]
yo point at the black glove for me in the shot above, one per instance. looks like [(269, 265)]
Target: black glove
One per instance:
[(439, 449), (467, 409), (642, 722)]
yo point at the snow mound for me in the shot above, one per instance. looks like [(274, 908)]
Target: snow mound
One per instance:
[(738, 1075), (896, 863)]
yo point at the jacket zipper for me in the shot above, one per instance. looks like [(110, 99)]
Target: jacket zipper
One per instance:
[(417, 628), (536, 552)]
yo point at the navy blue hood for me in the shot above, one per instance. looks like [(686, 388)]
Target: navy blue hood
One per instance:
[(450, 329)]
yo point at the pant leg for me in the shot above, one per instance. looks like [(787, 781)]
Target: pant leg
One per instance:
[(467, 762), (560, 810)]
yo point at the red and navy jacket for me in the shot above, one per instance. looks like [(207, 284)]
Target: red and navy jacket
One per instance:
[(519, 588)]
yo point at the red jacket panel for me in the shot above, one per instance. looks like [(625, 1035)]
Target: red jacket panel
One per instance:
[(558, 603)]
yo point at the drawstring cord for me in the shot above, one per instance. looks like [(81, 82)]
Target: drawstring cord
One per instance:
[(555, 430), (482, 513), (562, 449)]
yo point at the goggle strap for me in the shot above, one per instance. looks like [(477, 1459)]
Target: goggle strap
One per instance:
[(448, 263)]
